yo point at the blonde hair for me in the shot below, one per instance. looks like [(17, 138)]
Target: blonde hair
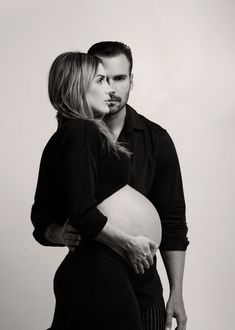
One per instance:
[(69, 79)]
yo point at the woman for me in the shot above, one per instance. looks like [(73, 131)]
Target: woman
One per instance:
[(82, 166)]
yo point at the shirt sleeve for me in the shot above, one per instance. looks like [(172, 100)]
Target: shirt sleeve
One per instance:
[(80, 174), (168, 197), (67, 182), (41, 218), (43, 211)]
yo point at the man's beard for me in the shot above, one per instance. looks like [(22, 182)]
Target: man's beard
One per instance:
[(115, 105), (114, 109)]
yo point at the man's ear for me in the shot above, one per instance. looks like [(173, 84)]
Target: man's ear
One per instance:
[(132, 81)]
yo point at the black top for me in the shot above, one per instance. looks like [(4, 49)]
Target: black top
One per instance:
[(155, 172), (76, 173)]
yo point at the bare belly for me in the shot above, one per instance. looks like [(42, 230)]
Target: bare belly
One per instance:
[(133, 213)]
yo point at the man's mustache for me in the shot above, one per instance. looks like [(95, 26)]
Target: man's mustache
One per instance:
[(114, 98)]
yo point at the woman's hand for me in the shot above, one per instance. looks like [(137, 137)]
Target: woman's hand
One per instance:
[(137, 250), (140, 251)]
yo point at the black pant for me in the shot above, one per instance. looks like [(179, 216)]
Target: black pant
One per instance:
[(154, 318), (96, 289)]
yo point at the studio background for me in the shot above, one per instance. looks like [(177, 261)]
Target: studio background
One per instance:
[(184, 65)]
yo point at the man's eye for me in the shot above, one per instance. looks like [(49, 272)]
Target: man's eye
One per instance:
[(120, 78)]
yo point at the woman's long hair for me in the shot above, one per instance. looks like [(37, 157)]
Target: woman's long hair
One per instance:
[(69, 79)]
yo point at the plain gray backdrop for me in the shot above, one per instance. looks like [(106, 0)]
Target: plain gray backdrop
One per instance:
[(184, 55)]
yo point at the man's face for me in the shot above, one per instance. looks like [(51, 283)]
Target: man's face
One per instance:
[(120, 80)]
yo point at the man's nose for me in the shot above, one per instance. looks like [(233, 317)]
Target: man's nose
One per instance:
[(110, 90), (111, 84)]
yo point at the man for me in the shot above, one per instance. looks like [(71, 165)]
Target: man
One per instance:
[(155, 173)]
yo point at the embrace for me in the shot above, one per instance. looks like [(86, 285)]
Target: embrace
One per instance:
[(109, 188)]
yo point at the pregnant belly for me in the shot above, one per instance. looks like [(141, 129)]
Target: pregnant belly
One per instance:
[(133, 213)]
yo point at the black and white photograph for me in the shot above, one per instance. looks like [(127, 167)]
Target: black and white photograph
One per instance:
[(118, 164)]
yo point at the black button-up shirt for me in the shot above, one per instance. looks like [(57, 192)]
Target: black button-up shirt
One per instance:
[(156, 174)]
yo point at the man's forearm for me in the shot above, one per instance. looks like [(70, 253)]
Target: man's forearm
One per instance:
[(174, 262)]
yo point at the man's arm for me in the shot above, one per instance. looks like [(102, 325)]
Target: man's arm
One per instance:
[(174, 263), (168, 197)]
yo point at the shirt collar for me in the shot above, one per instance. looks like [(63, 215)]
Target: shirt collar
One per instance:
[(133, 120)]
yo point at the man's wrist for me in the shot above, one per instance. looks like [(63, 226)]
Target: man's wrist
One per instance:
[(176, 290)]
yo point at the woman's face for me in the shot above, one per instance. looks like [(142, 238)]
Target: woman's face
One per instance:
[(98, 93)]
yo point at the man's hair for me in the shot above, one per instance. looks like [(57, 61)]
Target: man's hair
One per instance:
[(111, 49)]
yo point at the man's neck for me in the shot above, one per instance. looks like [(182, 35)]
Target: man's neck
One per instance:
[(116, 122)]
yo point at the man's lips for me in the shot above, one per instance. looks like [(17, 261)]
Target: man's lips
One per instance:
[(113, 100)]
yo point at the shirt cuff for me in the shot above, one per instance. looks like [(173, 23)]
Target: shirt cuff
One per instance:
[(174, 244), (91, 224)]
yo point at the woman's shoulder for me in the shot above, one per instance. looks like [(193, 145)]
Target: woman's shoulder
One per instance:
[(79, 134), (77, 123)]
